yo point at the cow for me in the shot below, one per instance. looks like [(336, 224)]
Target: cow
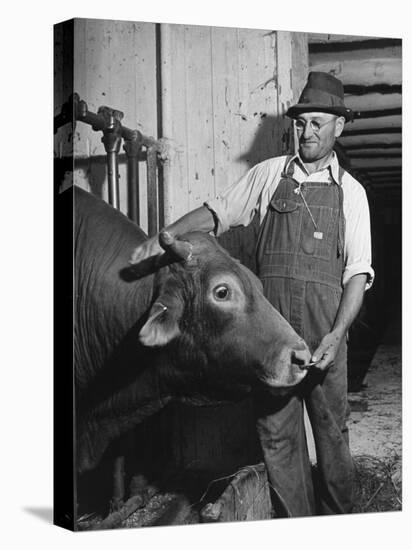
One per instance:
[(191, 324)]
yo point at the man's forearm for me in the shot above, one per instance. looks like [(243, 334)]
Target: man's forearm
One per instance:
[(350, 304), (200, 219), (349, 307)]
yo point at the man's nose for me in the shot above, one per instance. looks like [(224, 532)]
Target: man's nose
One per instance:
[(308, 131)]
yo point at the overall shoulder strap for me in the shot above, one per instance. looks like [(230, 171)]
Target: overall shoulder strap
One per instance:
[(341, 173), (287, 168)]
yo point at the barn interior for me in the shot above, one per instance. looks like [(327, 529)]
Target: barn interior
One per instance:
[(195, 107)]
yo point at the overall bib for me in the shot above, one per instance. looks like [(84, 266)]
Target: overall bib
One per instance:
[(300, 262)]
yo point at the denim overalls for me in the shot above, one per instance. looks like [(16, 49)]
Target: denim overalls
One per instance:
[(300, 263)]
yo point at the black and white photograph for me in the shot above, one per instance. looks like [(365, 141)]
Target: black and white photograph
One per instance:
[(232, 197), (205, 275)]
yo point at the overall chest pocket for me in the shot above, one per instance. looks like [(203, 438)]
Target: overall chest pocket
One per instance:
[(283, 231), (318, 241)]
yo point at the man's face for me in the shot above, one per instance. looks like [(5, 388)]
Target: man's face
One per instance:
[(317, 133)]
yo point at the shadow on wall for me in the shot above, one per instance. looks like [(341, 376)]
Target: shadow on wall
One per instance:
[(273, 138), (94, 171)]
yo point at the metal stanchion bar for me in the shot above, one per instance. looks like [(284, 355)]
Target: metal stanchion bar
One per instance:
[(152, 191), (132, 149)]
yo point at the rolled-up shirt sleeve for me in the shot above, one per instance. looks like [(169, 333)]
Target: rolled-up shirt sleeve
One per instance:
[(239, 203), (358, 253)]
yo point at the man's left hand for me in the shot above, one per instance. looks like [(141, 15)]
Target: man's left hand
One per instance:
[(327, 350)]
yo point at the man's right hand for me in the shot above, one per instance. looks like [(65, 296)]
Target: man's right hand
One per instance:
[(148, 249)]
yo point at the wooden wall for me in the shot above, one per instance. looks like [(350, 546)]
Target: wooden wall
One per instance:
[(219, 95), (228, 91)]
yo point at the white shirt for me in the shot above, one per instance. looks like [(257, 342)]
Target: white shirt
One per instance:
[(253, 192)]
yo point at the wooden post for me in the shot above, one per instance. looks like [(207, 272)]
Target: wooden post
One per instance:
[(246, 498)]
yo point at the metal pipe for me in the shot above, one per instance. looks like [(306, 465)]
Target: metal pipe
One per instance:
[(152, 191), (132, 149), (111, 142)]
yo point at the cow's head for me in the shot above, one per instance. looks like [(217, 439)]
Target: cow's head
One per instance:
[(212, 310)]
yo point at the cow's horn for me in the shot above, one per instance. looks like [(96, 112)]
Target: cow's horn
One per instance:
[(181, 249)]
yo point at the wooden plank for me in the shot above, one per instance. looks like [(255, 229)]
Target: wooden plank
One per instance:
[(374, 163), (378, 113), (324, 38), (381, 153), (175, 110), (374, 145), (355, 45), (300, 63), (372, 132), (366, 72), (286, 137), (199, 116), (246, 498), (141, 64), (358, 402), (394, 121), (115, 65), (226, 122), (358, 55), (373, 101), (258, 95), (300, 69), (376, 88), (389, 139), (213, 439)]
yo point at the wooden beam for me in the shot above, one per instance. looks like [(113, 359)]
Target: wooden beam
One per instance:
[(385, 179), (388, 185), (364, 140), (357, 89), (367, 72), (368, 153), (371, 131), (327, 38), (373, 101), (356, 54), (393, 121), (372, 162), (397, 176), (354, 43), (372, 145), (378, 113), (247, 497), (381, 169)]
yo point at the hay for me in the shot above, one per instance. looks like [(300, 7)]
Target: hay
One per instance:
[(378, 484)]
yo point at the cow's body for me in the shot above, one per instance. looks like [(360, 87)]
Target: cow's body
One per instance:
[(191, 330)]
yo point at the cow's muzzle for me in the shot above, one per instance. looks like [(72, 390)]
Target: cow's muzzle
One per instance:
[(288, 367)]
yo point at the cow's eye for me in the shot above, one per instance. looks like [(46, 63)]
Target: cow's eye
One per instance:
[(221, 292)]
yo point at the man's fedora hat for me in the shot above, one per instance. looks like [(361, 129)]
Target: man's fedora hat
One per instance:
[(323, 93)]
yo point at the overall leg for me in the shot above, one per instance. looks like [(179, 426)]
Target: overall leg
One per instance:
[(326, 401), (280, 423), (281, 431)]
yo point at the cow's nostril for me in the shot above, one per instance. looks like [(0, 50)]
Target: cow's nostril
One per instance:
[(300, 357)]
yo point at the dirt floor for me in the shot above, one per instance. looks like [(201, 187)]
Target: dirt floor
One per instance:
[(375, 434), (378, 430)]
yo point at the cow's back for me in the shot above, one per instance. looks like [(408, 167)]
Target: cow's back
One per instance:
[(108, 304)]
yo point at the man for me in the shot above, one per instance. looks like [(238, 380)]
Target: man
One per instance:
[(314, 260)]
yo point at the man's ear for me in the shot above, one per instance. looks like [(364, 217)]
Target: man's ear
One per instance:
[(339, 125), (163, 322)]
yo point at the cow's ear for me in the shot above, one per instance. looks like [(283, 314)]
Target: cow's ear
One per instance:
[(162, 325)]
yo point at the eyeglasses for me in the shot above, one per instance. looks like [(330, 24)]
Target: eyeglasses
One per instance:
[(300, 125)]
